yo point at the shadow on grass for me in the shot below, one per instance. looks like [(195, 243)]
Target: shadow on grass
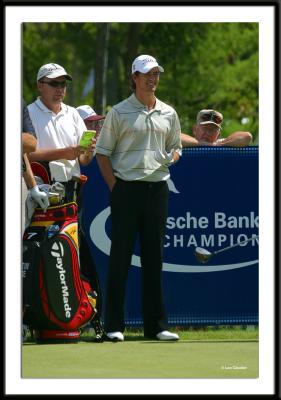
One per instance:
[(136, 338), (143, 340)]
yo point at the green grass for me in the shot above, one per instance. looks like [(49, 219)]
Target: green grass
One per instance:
[(207, 332), (200, 353)]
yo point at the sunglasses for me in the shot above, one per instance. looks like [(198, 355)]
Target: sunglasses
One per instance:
[(99, 123), (211, 116), (56, 84), (96, 124)]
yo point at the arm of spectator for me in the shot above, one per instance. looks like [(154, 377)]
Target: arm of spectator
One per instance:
[(29, 142), (188, 141), (67, 153), (236, 139), (40, 197), (28, 174), (106, 170)]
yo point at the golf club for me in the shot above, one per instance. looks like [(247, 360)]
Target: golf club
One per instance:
[(203, 255)]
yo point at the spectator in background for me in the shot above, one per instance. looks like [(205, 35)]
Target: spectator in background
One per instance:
[(92, 120), (207, 130), (58, 127), (29, 143)]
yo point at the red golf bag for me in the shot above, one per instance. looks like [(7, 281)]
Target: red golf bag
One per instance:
[(57, 298)]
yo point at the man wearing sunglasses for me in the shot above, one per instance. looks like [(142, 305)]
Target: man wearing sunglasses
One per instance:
[(207, 131), (139, 140), (58, 127)]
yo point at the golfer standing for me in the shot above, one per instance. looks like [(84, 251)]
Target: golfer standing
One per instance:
[(139, 140)]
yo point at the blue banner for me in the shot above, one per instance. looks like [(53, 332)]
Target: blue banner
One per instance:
[(213, 204)]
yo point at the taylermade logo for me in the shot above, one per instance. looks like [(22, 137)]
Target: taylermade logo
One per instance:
[(102, 242), (57, 252)]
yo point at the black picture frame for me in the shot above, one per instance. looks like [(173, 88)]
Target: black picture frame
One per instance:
[(275, 4)]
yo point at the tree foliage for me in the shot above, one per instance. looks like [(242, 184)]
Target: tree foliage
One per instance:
[(207, 65)]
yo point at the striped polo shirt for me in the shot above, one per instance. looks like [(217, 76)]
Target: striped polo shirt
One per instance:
[(130, 135)]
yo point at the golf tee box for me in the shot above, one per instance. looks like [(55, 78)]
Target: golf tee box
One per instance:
[(86, 138)]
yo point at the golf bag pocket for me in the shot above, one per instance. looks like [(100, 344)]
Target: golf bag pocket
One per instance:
[(55, 295)]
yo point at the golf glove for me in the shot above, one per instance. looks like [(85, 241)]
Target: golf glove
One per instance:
[(40, 197), (164, 158)]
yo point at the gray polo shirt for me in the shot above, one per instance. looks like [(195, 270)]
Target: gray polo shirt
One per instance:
[(130, 135)]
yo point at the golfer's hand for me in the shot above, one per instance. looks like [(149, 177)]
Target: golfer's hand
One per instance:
[(40, 197), (163, 157)]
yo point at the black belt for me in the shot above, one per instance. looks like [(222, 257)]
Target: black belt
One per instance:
[(149, 183)]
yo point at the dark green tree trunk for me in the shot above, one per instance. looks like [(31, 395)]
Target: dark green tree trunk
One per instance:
[(101, 67)]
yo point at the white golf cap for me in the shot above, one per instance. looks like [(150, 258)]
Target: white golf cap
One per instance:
[(52, 71), (88, 113), (145, 63)]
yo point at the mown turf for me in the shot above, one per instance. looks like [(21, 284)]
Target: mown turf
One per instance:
[(202, 355)]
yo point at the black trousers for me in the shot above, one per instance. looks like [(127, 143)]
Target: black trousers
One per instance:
[(137, 208)]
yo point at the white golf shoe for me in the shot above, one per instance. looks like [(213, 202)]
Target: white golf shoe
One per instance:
[(166, 335), (114, 336)]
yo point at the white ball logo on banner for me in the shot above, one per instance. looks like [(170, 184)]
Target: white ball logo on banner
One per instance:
[(102, 242)]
